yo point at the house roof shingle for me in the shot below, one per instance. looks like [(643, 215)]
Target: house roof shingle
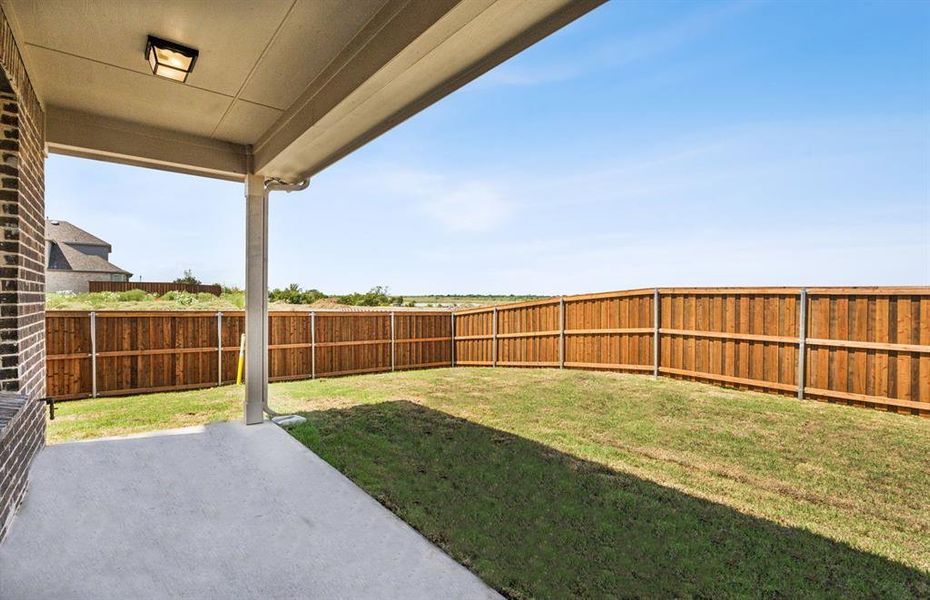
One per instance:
[(78, 261), (64, 232)]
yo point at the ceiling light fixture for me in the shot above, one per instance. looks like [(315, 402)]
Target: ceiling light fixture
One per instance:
[(170, 60)]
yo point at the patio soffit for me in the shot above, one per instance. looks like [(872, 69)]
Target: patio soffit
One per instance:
[(284, 87)]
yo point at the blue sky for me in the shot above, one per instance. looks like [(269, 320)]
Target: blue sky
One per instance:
[(649, 143)]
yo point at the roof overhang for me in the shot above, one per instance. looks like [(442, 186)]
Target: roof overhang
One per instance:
[(87, 135), (282, 88)]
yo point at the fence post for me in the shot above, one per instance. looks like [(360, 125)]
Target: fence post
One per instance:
[(494, 337), (312, 345), (562, 332), (452, 336), (219, 348), (655, 334), (802, 344), (392, 340), (93, 354)]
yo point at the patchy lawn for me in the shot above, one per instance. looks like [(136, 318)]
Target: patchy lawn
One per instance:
[(555, 483)]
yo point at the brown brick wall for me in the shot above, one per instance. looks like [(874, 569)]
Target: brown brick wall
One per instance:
[(20, 439), (22, 271)]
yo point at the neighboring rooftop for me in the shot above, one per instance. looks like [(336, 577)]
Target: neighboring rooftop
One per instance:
[(64, 232), (70, 248), (75, 260)]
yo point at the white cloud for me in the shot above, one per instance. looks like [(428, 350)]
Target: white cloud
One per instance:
[(473, 206)]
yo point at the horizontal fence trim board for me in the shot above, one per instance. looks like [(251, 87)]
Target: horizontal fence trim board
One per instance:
[(359, 312), (618, 331), (283, 346), (421, 340), (869, 291), (869, 345), (587, 365), (524, 363), (174, 312), (473, 311), (351, 343), (608, 295), (77, 356), (154, 352), (165, 314), (474, 363), (718, 291), (750, 337), (473, 337), (729, 379), (526, 303), (527, 334), (870, 399)]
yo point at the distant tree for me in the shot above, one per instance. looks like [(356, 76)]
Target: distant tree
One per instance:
[(188, 278), (293, 294)]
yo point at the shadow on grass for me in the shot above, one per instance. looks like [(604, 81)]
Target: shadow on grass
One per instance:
[(535, 522)]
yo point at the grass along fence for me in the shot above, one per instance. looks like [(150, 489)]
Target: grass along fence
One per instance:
[(862, 346)]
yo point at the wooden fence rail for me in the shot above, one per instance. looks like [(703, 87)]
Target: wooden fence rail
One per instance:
[(862, 346), (154, 287)]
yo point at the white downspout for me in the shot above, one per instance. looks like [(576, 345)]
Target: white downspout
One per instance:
[(256, 293)]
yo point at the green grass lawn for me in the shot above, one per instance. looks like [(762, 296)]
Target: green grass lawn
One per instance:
[(552, 483)]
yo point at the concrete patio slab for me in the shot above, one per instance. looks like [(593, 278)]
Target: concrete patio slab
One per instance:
[(222, 511)]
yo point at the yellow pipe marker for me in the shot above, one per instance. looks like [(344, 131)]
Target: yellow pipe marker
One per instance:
[(241, 366)]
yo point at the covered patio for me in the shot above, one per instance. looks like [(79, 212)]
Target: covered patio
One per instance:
[(267, 93), (216, 511)]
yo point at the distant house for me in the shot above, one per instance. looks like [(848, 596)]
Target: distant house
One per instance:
[(74, 257)]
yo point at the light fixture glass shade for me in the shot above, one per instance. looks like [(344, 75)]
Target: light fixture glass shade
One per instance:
[(170, 60)]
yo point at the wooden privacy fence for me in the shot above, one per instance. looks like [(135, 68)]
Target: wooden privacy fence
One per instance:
[(117, 353), (863, 346), (154, 287)]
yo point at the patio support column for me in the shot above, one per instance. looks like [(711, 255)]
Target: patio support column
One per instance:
[(256, 298)]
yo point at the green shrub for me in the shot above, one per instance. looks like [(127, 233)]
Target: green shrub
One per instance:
[(376, 296), (236, 297), (135, 295), (188, 278), (292, 294)]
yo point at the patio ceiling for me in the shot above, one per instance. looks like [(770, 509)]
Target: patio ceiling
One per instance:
[(282, 88)]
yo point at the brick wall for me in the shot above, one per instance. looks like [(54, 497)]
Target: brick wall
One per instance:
[(21, 436), (22, 272)]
